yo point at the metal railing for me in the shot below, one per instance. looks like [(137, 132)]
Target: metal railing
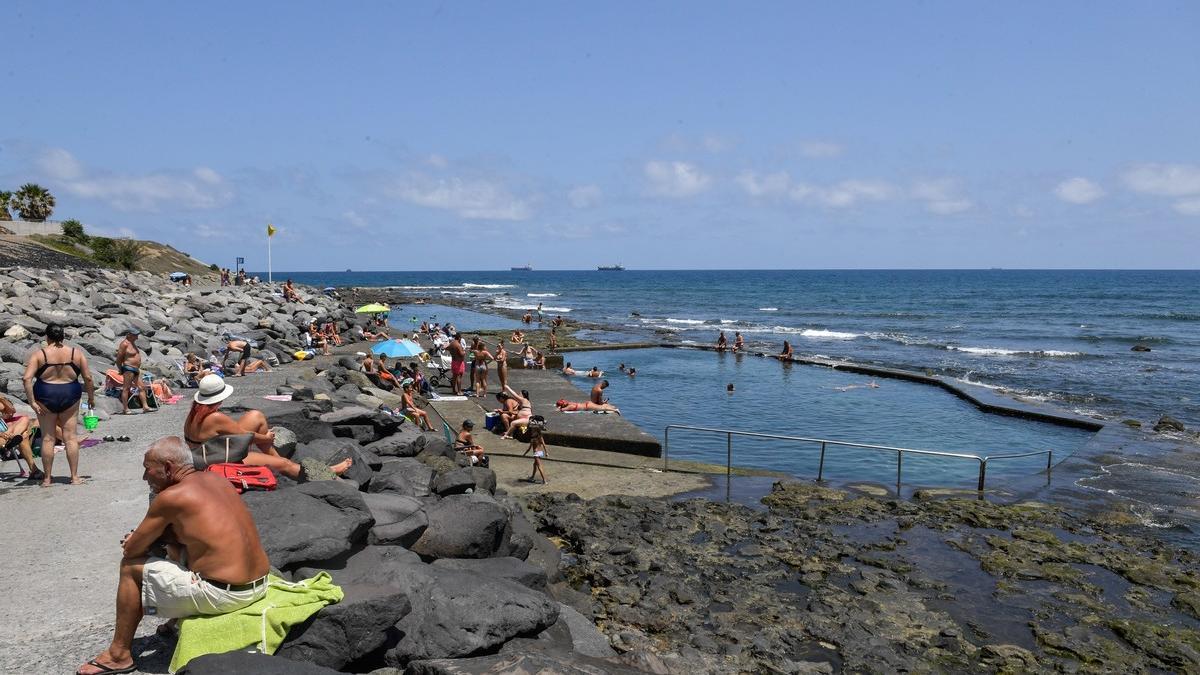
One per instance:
[(825, 442)]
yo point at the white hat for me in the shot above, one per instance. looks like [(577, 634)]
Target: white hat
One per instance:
[(212, 390)]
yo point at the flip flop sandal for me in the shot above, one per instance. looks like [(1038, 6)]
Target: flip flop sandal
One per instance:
[(109, 670), (123, 439), (110, 439)]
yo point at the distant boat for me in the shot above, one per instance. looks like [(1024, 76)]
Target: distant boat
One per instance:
[(349, 270), (611, 268), (525, 268)]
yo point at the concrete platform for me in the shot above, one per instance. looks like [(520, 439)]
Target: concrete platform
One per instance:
[(590, 431)]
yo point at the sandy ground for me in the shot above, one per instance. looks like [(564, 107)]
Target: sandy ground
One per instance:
[(62, 544)]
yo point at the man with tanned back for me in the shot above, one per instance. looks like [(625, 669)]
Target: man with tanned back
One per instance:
[(224, 566), (458, 363), (129, 365), (598, 393)]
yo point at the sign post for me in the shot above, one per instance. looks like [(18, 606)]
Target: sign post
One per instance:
[(270, 233)]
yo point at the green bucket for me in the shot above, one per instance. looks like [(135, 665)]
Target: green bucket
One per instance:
[(90, 421)]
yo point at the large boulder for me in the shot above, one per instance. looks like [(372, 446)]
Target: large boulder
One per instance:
[(457, 614), (402, 533), (404, 476), (464, 526), (368, 566), (406, 441), (296, 527), (464, 480), (512, 569), (349, 630), (558, 661), (387, 507), (245, 663), (330, 451)]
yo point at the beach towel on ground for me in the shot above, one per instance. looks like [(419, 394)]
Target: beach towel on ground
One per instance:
[(261, 626)]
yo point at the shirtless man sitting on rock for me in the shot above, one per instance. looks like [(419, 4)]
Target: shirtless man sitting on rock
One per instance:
[(224, 566)]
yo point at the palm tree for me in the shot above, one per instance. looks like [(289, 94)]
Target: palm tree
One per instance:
[(33, 202), (4, 199)]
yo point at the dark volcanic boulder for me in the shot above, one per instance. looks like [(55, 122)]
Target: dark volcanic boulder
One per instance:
[(1167, 423), (405, 476), (349, 630), (558, 661), (406, 441), (341, 495), (464, 526), (457, 482), (512, 569), (330, 451), (368, 566), (402, 533), (1139, 348), (243, 663), (456, 614), (436, 445), (295, 527), (389, 508)]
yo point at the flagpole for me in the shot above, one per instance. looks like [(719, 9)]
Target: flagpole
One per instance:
[(270, 279)]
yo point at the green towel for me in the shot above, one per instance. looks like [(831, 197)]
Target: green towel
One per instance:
[(262, 625)]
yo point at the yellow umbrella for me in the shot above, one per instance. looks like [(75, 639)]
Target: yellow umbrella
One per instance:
[(373, 308)]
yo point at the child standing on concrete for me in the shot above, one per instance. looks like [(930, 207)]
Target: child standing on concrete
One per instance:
[(538, 445)]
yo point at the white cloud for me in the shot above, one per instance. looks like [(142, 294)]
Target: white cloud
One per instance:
[(1188, 207), (769, 185), (581, 231), (941, 196), (200, 188), (60, 164), (820, 149), (437, 161), (839, 195), (355, 220), (584, 196), (476, 199), (675, 179), (1078, 190), (1168, 180)]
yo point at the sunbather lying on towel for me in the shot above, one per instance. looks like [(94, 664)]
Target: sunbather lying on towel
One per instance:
[(564, 405), (199, 515)]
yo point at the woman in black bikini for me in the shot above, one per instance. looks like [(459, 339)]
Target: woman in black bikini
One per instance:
[(52, 388), (214, 437)]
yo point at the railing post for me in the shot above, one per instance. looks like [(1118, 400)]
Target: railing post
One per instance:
[(899, 465), (1049, 460), (667, 449), (728, 463), (821, 464), (982, 472)]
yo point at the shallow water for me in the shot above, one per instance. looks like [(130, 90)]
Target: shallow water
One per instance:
[(677, 386)]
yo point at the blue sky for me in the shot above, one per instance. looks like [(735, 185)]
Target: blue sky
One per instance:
[(660, 135)]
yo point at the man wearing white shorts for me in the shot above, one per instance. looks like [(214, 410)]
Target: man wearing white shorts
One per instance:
[(222, 566)]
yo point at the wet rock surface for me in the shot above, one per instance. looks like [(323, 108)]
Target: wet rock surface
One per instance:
[(830, 580)]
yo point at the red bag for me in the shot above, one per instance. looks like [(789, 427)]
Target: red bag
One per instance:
[(243, 477)]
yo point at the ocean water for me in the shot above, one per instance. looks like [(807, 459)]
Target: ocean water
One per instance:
[(1060, 336)]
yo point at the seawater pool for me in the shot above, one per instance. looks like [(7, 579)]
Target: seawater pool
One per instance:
[(679, 386), (409, 318)]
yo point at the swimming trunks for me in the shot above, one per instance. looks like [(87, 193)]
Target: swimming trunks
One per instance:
[(57, 397), (458, 367), (128, 369)]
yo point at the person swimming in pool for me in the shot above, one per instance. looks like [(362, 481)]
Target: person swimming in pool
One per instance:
[(870, 385), (568, 370)]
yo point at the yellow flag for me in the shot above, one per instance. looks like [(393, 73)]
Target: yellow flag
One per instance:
[(270, 229)]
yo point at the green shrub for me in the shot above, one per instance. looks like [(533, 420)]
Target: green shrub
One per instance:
[(73, 230), (122, 253), (214, 267)]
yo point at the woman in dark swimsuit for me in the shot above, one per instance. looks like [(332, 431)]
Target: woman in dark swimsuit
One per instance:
[(52, 388), (214, 437)]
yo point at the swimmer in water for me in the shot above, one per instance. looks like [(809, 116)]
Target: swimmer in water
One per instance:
[(729, 388), (870, 385)]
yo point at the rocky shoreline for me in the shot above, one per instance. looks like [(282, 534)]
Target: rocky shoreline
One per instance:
[(832, 580), (446, 573)]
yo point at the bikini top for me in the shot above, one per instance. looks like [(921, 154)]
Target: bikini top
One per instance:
[(42, 368)]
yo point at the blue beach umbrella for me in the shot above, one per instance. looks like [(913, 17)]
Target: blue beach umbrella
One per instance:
[(397, 348)]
